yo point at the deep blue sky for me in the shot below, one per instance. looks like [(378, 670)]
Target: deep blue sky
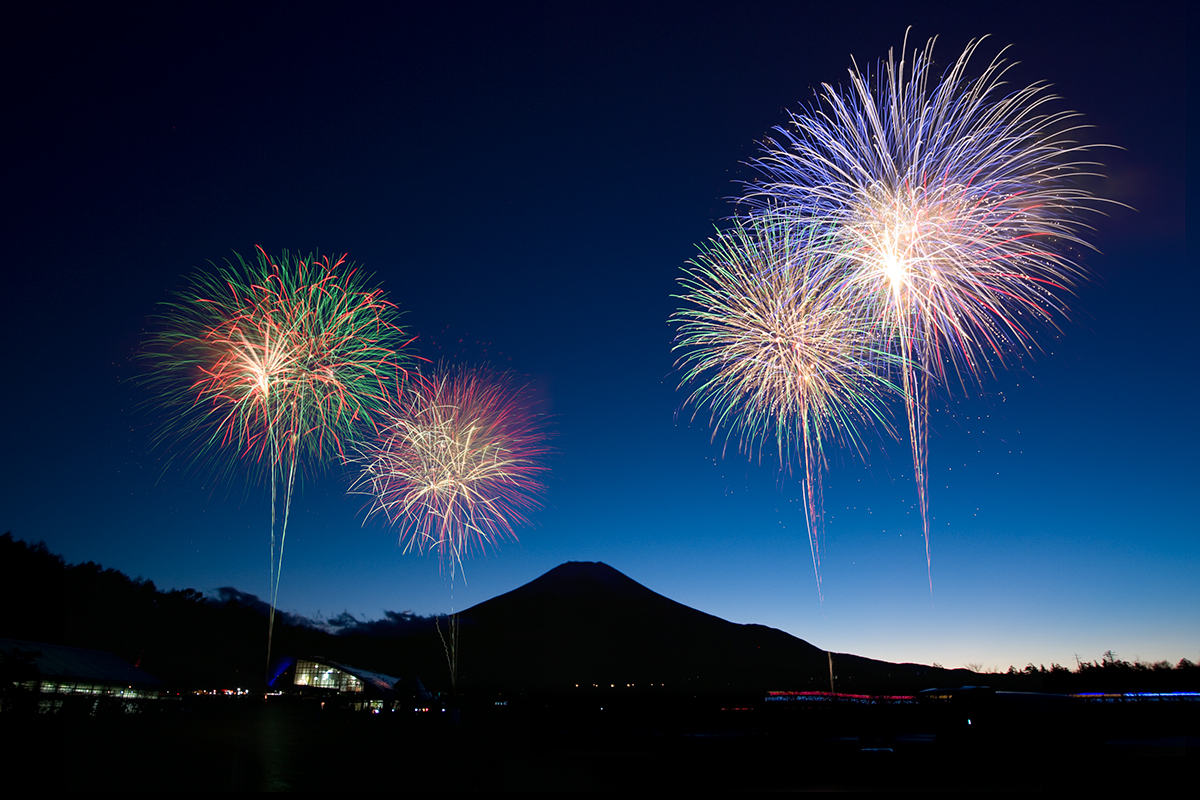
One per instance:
[(527, 184)]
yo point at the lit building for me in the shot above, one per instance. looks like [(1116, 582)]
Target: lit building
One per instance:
[(58, 677), (359, 689)]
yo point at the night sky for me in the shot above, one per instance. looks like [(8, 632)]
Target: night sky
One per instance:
[(526, 182)]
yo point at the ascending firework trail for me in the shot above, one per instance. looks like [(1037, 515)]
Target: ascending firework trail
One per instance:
[(278, 362), (456, 465)]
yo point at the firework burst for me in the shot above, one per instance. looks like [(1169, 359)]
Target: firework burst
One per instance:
[(770, 347), (276, 358), (457, 462), (954, 207), (278, 361)]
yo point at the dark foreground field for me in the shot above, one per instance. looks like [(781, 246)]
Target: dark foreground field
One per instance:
[(598, 743)]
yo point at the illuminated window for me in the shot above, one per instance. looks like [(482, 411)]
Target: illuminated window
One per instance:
[(322, 676)]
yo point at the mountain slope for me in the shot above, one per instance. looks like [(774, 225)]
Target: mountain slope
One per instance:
[(585, 624)]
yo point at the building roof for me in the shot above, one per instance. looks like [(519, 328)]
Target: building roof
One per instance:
[(61, 663)]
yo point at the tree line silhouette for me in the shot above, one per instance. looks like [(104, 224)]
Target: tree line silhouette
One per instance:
[(193, 641), (184, 638)]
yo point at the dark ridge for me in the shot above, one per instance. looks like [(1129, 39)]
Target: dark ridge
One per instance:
[(582, 623)]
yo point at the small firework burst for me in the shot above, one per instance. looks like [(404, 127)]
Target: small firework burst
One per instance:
[(457, 463), (768, 345)]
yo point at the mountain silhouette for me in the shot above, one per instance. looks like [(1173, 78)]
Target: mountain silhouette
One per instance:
[(585, 624)]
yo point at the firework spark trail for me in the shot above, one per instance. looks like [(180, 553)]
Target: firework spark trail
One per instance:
[(954, 206), (769, 346), (280, 361)]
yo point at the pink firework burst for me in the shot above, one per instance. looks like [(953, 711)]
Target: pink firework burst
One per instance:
[(458, 461)]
